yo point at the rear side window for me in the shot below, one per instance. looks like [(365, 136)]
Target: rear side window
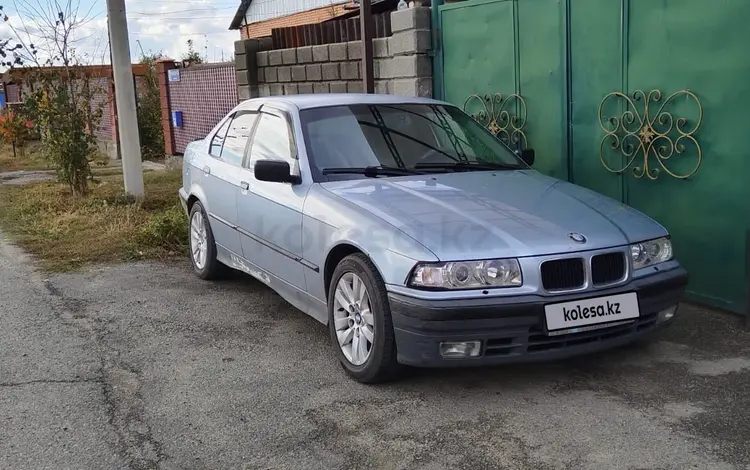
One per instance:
[(218, 141), (237, 138)]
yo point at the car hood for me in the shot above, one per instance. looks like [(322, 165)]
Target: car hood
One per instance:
[(475, 215)]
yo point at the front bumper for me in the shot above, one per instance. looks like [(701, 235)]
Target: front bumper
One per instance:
[(512, 329)]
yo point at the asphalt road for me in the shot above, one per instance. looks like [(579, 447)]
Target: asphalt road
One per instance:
[(144, 366)]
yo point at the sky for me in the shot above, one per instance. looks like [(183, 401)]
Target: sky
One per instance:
[(153, 26)]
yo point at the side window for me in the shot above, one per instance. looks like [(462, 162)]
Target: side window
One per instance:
[(218, 141), (272, 140), (237, 137)]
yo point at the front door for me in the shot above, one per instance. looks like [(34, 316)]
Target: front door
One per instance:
[(270, 214)]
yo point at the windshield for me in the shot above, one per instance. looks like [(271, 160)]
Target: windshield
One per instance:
[(419, 137)]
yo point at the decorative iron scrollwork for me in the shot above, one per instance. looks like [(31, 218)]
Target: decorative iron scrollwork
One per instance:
[(638, 132), (494, 112)]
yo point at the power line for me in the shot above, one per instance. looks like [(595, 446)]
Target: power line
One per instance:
[(152, 13), (170, 33)]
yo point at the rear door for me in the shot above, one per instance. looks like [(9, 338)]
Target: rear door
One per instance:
[(222, 179)]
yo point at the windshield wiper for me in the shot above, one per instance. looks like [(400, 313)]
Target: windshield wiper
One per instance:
[(371, 171), (467, 165)]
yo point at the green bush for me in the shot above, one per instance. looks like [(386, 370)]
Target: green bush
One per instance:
[(167, 230)]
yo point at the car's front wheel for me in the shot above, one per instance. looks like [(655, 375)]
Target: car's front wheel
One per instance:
[(359, 318), (202, 245)]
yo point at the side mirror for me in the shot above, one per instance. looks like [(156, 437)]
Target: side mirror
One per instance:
[(275, 171), (527, 155)]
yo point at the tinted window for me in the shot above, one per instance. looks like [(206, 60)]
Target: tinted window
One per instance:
[(272, 140), (237, 137), (218, 141), (398, 135)]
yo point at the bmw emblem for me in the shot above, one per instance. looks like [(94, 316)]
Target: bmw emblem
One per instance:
[(577, 237)]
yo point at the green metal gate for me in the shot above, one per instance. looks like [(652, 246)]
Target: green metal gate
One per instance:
[(643, 101)]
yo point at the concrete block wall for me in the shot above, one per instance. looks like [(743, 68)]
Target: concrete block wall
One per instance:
[(401, 65)]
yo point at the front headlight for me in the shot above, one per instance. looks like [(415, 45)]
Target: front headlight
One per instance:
[(651, 252), (467, 274)]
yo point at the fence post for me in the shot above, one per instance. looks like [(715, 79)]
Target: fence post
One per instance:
[(162, 70)]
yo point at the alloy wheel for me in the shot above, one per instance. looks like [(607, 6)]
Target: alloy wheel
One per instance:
[(354, 321), (198, 237)]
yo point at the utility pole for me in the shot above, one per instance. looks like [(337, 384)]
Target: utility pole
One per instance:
[(365, 24), (127, 117)]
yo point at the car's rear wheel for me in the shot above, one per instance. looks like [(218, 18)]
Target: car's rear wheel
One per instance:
[(360, 324), (202, 245)]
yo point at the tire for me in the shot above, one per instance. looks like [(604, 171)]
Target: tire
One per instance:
[(211, 268), (381, 363)]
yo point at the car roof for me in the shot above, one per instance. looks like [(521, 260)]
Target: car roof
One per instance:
[(307, 101)]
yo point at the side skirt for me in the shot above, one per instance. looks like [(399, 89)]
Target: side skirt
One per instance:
[(299, 299)]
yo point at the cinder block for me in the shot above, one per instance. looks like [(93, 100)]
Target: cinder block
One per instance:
[(240, 61), (261, 75), (320, 53), (304, 55), (412, 87), (410, 18), (247, 92), (407, 66), (298, 73), (381, 87), (272, 74), (354, 87), (285, 74), (264, 90), (338, 87), (289, 56), (350, 70), (320, 87), (291, 89), (277, 89), (274, 57), (262, 58), (239, 46), (354, 50), (337, 52), (380, 68), (242, 78), (305, 88), (380, 47), (313, 71), (331, 71), (415, 41)]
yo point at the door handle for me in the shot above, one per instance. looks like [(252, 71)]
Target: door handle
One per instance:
[(244, 185), (207, 170)]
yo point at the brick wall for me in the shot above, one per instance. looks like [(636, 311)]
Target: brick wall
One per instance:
[(100, 97), (14, 93), (205, 93), (401, 63)]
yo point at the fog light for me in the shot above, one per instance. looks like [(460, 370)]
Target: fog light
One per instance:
[(461, 349), (666, 314)]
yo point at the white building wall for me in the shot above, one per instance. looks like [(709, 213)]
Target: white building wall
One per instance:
[(260, 10)]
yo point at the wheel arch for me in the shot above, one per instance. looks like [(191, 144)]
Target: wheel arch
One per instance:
[(338, 253)]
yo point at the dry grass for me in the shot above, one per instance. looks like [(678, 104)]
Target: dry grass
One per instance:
[(66, 232), (29, 158)]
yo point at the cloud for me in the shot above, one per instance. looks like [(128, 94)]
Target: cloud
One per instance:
[(168, 26), (154, 26)]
